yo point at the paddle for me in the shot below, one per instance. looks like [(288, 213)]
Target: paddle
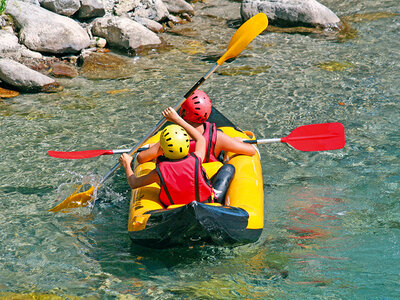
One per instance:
[(314, 137), (88, 153), (239, 41)]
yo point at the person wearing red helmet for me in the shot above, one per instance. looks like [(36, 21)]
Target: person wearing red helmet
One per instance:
[(197, 107), (195, 110)]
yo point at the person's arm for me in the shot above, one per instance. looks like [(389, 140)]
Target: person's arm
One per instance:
[(133, 180), (149, 154), (227, 143), (200, 148)]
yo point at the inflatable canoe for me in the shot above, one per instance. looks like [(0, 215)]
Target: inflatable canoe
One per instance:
[(239, 221)]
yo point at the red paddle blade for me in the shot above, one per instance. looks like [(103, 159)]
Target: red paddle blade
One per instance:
[(79, 154), (317, 137)]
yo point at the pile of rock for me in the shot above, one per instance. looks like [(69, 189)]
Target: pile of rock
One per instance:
[(36, 34), (32, 32)]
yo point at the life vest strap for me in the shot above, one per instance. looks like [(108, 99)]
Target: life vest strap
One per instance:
[(164, 185)]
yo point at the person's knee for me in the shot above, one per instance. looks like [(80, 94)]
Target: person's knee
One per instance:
[(222, 180)]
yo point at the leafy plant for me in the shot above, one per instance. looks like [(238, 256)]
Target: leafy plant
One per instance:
[(2, 6)]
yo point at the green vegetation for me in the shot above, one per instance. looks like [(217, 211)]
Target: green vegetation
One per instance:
[(2, 6)]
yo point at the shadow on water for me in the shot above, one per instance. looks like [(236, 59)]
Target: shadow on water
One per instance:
[(27, 190)]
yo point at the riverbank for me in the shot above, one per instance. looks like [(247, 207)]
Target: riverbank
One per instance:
[(55, 39)]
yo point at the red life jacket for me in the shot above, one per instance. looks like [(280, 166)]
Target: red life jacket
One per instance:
[(183, 181), (210, 134)]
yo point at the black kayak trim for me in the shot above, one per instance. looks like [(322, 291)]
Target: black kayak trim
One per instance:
[(196, 224)]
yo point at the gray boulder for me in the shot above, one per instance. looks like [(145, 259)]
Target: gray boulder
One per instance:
[(9, 46), (25, 52), (62, 7), (44, 31), (150, 24), (151, 9), (91, 9), (124, 6), (21, 77), (3, 21), (124, 33), (179, 7), (291, 12)]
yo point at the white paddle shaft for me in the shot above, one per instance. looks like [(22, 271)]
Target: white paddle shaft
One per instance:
[(263, 141)]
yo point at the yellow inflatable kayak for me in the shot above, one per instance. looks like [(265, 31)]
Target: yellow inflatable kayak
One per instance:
[(239, 221)]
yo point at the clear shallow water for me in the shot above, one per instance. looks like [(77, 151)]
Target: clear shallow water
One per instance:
[(332, 218)]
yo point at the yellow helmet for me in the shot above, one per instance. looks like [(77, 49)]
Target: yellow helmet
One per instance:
[(175, 142)]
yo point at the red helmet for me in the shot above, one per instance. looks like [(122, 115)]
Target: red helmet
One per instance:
[(197, 107)]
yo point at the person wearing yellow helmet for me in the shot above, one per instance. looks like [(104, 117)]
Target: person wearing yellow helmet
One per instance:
[(174, 142), (179, 174), (195, 110)]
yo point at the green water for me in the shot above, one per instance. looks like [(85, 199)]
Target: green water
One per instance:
[(332, 219)]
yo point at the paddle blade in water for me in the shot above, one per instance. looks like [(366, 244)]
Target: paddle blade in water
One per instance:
[(317, 137), (244, 35), (75, 200)]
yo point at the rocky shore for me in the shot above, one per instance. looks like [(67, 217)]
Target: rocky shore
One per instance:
[(41, 40)]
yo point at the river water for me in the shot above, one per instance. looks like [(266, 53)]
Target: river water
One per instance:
[(332, 219)]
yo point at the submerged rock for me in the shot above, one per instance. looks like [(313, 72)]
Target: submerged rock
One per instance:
[(106, 66), (53, 87), (64, 70), (6, 93), (333, 66), (359, 18), (193, 47), (184, 31), (244, 71), (346, 32), (342, 34)]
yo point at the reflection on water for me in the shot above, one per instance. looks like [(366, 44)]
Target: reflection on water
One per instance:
[(332, 218), (314, 227)]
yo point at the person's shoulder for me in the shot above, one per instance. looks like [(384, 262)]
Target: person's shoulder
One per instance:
[(221, 134)]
